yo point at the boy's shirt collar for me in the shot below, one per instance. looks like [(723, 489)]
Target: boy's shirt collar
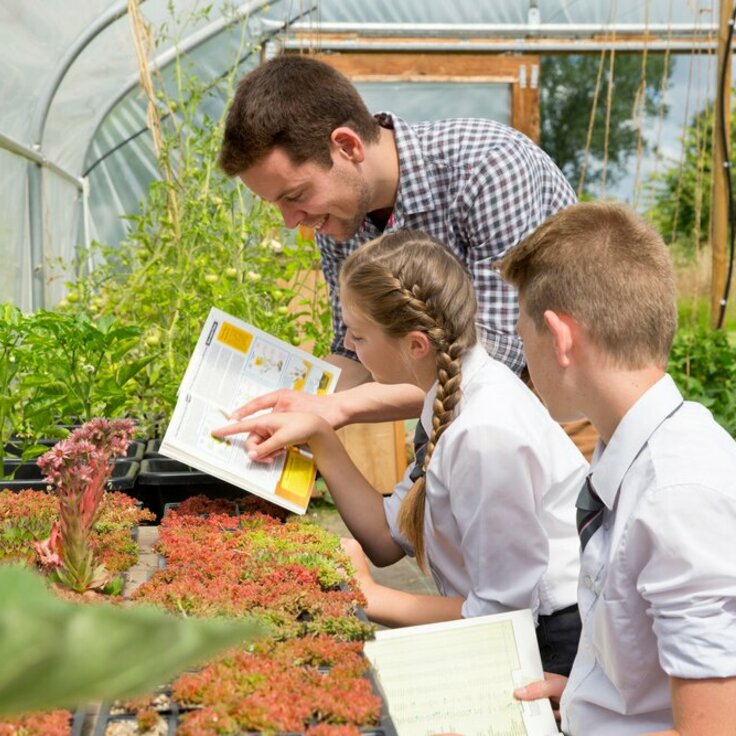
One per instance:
[(611, 462)]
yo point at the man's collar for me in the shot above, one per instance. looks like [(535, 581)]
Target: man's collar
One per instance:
[(414, 194), (611, 462)]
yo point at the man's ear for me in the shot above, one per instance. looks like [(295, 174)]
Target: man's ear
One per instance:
[(561, 327), (347, 143), (417, 344)]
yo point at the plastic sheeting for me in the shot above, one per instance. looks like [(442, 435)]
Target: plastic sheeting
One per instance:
[(93, 123)]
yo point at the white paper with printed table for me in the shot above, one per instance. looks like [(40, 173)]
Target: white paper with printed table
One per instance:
[(459, 677), (232, 363)]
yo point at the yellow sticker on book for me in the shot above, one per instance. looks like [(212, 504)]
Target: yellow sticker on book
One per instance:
[(324, 383), (234, 337), (297, 478)]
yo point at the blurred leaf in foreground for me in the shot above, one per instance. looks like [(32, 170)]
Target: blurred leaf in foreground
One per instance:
[(55, 653)]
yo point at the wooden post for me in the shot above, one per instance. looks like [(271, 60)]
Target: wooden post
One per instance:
[(719, 231), (378, 451)]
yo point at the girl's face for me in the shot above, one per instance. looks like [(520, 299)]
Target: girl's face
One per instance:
[(385, 357)]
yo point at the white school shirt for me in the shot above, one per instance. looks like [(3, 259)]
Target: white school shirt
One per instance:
[(657, 590), (501, 486)]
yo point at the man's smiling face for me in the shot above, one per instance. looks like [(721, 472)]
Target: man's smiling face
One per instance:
[(333, 201)]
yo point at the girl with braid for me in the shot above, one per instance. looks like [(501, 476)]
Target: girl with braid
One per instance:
[(489, 505)]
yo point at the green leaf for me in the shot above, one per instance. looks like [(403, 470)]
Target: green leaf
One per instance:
[(128, 370), (61, 654), (36, 406)]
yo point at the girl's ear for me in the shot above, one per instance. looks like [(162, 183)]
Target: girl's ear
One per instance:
[(562, 331), (417, 344), (347, 143)]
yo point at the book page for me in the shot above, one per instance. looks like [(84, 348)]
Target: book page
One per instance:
[(192, 424), (459, 677), (232, 363)]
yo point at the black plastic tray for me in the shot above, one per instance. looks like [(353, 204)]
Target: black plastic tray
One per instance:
[(162, 471), (136, 449), (152, 447), (28, 476)]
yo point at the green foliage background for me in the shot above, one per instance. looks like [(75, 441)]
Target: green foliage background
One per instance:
[(568, 86), (200, 241), (679, 197)]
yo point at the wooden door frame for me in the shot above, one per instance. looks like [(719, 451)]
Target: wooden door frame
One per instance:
[(520, 72)]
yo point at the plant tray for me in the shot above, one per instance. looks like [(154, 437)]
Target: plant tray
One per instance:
[(28, 476), (152, 449), (136, 449), (162, 481), (161, 471), (171, 713)]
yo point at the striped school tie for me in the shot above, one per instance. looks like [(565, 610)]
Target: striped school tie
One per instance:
[(420, 450), (590, 512)]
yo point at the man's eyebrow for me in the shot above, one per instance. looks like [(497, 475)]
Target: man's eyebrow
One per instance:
[(289, 192)]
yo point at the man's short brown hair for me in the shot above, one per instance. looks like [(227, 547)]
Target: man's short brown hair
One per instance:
[(293, 103), (602, 264)]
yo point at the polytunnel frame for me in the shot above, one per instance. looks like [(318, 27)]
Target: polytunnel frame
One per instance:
[(192, 42), (34, 153), (532, 36)]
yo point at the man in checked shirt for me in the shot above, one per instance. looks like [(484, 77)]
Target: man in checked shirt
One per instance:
[(299, 135)]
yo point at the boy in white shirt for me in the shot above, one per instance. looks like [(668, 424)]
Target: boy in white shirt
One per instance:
[(657, 519)]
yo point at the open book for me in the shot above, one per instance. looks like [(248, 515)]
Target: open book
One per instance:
[(459, 676), (232, 363)]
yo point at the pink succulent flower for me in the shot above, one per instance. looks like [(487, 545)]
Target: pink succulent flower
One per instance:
[(48, 549), (78, 469)]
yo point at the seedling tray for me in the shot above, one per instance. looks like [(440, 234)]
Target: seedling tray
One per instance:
[(29, 476)]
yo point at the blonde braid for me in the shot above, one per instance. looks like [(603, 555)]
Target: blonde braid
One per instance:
[(449, 376), (407, 281)]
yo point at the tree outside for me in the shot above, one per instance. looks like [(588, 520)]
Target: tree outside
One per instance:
[(568, 94)]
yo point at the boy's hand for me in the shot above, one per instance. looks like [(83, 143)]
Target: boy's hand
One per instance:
[(285, 400), (551, 687), (271, 433)]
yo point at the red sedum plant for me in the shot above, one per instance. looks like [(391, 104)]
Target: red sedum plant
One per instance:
[(56, 723), (284, 686), (292, 574), (309, 678)]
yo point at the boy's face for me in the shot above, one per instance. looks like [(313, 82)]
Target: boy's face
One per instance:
[(548, 376), (333, 201)]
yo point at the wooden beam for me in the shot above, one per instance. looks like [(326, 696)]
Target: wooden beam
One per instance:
[(521, 73), (634, 42), (719, 218), (426, 64)]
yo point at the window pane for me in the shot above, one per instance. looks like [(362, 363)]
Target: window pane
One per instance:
[(415, 101)]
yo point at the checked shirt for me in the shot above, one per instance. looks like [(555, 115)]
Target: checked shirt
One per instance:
[(478, 187)]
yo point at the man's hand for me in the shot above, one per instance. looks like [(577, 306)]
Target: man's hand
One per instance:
[(270, 433), (284, 400), (551, 687)]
